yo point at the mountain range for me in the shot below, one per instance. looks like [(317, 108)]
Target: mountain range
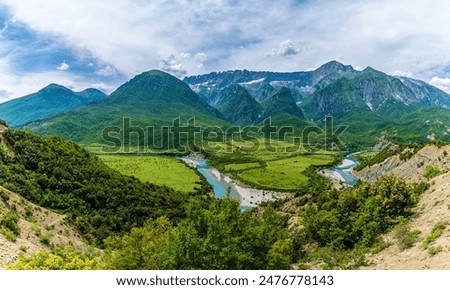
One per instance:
[(50, 101), (373, 104), (152, 99)]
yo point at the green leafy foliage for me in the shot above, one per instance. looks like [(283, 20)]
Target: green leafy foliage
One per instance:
[(215, 235), (431, 172), (357, 216), (9, 225), (406, 238), (60, 259), (100, 201), (435, 250), (436, 232)]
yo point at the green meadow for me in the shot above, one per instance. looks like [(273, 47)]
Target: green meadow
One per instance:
[(283, 168), (160, 170), (284, 174)]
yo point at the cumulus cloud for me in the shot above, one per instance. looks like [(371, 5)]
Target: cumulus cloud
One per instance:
[(286, 48), (173, 67), (239, 34), (63, 66), (441, 83)]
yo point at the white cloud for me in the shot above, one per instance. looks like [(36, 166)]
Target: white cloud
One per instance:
[(441, 83), (108, 89), (106, 71), (185, 55), (238, 34), (5, 96), (201, 56), (400, 73), (63, 66), (173, 67), (26, 83), (286, 48)]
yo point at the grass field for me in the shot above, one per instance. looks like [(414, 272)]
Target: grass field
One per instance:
[(159, 170), (284, 174), (280, 169)]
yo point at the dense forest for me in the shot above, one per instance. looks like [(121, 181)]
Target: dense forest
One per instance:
[(59, 175)]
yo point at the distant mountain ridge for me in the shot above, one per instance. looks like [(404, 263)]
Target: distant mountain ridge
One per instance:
[(259, 83), (373, 104), (331, 89), (50, 101), (375, 91)]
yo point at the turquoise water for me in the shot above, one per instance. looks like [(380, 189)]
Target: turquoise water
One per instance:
[(220, 185), (350, 178), (215, 179)]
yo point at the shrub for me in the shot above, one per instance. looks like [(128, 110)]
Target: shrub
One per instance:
[(404, 236), (435, 250), (10, 222), (4, 196), (436, 232), (10, 236), (431, 172)]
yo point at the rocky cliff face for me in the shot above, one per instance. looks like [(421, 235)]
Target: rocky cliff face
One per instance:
[(411, 169)]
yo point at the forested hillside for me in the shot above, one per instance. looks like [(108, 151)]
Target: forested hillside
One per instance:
[(58, 174)]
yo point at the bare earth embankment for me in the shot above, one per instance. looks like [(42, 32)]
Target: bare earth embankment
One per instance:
[(433, 208), (40, 229)]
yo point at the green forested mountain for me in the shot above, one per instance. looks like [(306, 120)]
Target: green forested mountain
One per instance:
[(238, 107), (48, 102), (152, 98), (370, 90), (373, 104), (280, 102)]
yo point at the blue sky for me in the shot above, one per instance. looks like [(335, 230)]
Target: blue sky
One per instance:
[(103, 43)]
